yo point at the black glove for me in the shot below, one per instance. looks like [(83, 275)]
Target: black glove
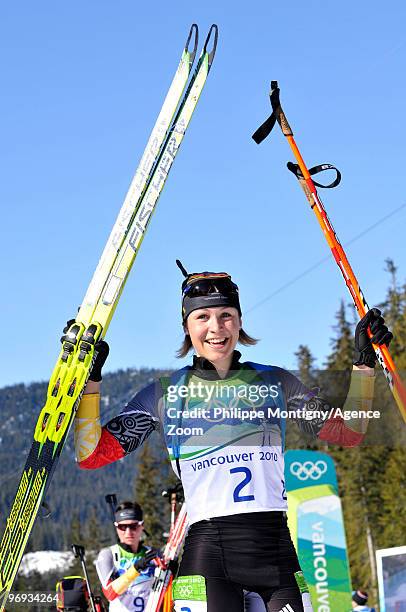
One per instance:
[(364, 353), (142, 564), (103, 350), (173, 566)]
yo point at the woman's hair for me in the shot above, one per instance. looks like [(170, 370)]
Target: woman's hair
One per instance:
[(243, 338)]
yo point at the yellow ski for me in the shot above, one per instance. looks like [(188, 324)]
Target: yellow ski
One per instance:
[(77, 354)]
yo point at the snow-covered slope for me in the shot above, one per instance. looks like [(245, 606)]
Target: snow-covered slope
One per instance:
[(44, 561)]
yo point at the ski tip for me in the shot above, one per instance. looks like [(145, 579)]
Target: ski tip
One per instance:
[(213, 33), (193, 34)]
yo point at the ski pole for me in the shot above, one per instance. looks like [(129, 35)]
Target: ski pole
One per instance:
[(174, 495), (111, 501), (167, 601), (79, 553), (161, 591), (309, 187)]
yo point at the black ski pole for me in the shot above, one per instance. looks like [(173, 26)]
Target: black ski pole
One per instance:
[(111, 501), (79, 553)]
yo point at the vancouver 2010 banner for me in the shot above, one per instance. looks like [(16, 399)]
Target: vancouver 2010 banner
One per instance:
[(316, 524)]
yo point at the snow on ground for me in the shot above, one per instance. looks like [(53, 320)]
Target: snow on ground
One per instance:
[(44, 561)]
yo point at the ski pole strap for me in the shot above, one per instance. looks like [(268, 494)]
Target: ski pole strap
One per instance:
[(315, 170), (277, 115), (46, 510)]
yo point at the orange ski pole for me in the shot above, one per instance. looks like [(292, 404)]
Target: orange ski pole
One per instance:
[(309, 187), (168, 603)]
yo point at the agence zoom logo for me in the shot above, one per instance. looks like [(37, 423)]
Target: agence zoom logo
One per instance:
[(308, 469)]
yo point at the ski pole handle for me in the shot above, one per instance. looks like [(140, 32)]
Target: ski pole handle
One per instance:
[(280, 115), (78, 551)]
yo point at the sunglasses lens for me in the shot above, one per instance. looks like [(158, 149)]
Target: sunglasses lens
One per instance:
[(211, 285), (130, 526)]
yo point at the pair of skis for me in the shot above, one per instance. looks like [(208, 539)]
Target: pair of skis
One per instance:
[(75, 360), (160, 598), (303, 174)]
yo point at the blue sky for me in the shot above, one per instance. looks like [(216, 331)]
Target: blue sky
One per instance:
[(82, 84)]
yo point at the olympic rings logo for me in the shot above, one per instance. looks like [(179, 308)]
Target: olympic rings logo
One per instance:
[(185, 590), (308, 469)]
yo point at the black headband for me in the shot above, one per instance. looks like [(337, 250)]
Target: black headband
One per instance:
[(360, 598), (189, 304), (128, 514)]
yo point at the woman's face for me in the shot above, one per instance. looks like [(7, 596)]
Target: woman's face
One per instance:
[(214, 332)]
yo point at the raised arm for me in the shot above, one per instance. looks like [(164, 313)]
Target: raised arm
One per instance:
[(331, 426), (97, 445)]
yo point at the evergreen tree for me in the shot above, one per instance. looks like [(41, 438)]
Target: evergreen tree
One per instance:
[(340, 358), (148, 486), (75, 533), (394, 311), (392, 486), (94, 541), (369, 475), (305, 365), (95, 535), (305, 362), (393, 495), (76, 536), (389, 431), (348, 460), (334, 381)]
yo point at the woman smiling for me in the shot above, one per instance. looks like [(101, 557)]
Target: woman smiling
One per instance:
[(231, 468)]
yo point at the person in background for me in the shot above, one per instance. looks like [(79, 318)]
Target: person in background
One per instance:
[(126, 569), (359, 601)]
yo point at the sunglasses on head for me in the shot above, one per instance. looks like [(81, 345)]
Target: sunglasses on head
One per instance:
[(130, 526), (206, 285)]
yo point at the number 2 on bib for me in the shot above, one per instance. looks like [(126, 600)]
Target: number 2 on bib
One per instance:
[(247, 478)]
